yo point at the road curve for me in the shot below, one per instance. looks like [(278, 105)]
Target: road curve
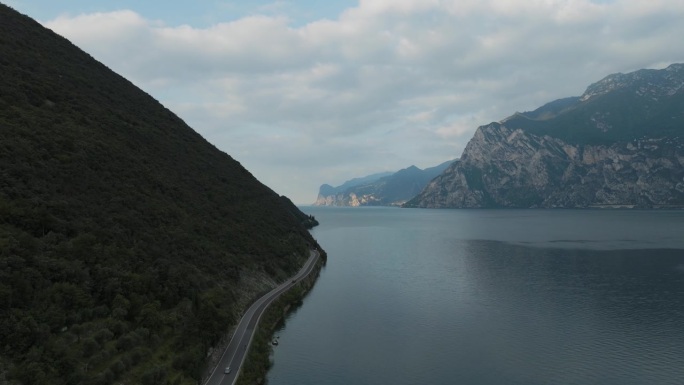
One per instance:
[(235, 353)]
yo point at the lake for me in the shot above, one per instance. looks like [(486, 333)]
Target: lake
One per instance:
[(413, 296)]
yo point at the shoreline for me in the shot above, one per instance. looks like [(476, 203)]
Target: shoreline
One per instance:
[(258, 360), (257, 307)]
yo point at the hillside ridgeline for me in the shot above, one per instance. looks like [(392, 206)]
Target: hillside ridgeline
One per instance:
[(128, 243)]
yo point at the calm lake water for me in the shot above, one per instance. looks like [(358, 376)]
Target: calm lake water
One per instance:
[(529, 297)]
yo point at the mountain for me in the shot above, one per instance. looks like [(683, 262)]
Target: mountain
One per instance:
[(620, 144), (388, 189), (129, 245), (327, 190)]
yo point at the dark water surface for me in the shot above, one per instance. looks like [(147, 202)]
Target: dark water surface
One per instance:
[(490, 297)]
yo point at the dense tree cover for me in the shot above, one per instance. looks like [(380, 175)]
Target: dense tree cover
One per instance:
[(258, 360), (124, 235), (309, 221)]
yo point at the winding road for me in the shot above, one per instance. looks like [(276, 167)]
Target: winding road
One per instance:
[(234, 355)]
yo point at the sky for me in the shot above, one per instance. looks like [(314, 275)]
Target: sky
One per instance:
[(308, 92)]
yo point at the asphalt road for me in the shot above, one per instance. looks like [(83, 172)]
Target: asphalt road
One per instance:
[(235, 353)]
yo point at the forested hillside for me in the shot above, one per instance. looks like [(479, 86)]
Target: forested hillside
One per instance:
[(128, 243)]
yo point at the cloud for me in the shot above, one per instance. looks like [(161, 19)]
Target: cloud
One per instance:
[(386, 82)]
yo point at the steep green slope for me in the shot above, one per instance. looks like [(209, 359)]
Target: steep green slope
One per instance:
[(619, 108), (126, 240)]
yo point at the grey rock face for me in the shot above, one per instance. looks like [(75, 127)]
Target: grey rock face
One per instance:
[(503, 167), (620, 144)]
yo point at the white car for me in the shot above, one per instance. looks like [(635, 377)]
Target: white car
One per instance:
[(227, 370)]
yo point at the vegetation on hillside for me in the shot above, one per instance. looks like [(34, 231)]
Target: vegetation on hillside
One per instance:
[(258, 360), (644, 104), (125, 237)]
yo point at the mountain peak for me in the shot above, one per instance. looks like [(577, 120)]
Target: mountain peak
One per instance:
[(620, 145), (644, 82), (410, 169)]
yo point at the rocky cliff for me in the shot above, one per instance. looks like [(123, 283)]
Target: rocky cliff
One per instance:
[(621, 144), (391, 189)]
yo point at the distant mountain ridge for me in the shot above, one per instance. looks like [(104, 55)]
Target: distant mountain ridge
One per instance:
[(382, 189), (620, 144), (328, 190)]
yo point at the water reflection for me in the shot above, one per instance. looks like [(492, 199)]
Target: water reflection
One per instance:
[(577, 316), (491, 297)]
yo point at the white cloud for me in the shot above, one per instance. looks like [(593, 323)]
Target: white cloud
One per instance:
[(387, 82), (102, 28)]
